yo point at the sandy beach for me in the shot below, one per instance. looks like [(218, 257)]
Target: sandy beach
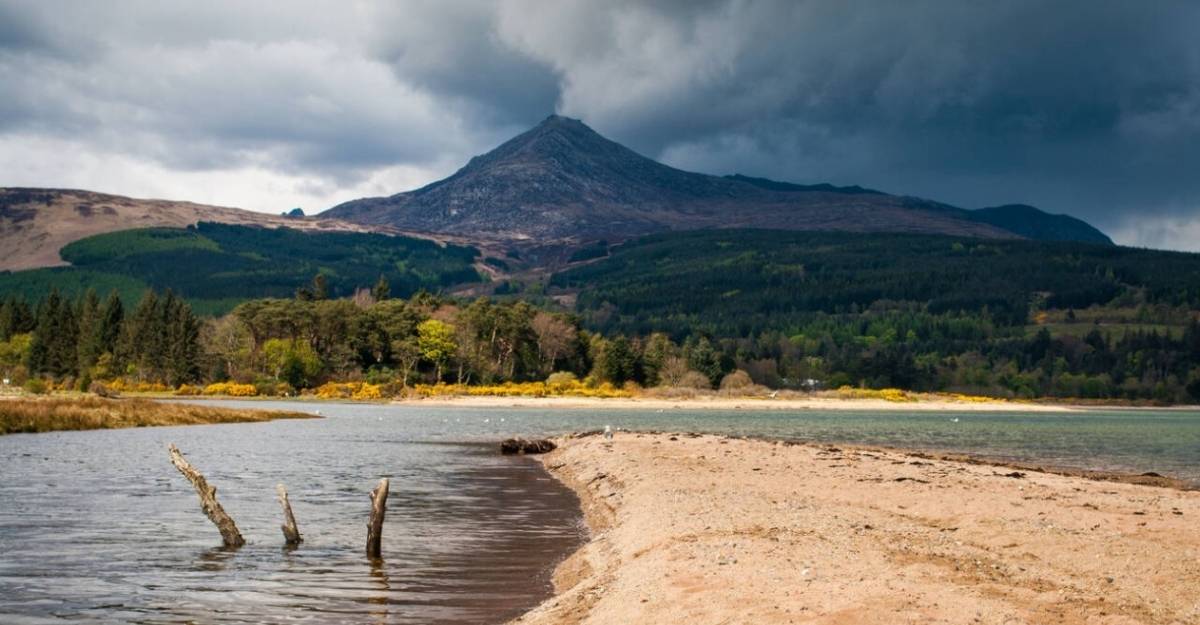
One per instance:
[(738, 403), (708, 530)]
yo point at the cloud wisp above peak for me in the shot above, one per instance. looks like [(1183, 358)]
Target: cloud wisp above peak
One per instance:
[(1092, 110)]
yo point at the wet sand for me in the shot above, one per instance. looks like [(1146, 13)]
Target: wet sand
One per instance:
[(706, 529)]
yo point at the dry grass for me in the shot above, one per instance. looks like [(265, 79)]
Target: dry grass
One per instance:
[(51, 414)]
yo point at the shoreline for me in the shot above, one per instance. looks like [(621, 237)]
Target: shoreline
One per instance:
[(703, 402), (709, 529), (735, 403), (57, 414)]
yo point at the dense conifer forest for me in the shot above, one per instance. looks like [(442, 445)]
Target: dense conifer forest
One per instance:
[(216, 266)]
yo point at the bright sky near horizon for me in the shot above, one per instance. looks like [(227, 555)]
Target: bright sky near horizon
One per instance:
[(1090, 109)]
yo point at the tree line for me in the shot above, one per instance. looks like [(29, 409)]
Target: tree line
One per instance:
[(286, 345)]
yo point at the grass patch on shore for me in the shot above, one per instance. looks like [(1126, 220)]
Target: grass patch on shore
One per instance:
[(88, 413)]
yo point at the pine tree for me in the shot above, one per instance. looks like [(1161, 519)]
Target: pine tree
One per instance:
[(64, 359), (182, 342), (6, 318), (40, 348), (112, 316), (140, 336), (89, 348), (23, 319), (382, 290)]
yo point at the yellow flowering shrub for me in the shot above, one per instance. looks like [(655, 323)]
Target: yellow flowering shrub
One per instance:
[(232, 389), (368, 391), (558, 388), (886, 394), (972, 398), (122, 385), (188, 389), (349, 390)]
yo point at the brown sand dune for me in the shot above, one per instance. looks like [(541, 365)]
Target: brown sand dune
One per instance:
[(706, 530)]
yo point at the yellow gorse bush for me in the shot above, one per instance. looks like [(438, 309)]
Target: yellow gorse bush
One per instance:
[(121, 385), (572, 388), (349, 390), (972, 398), (886, 394), (232, 389)]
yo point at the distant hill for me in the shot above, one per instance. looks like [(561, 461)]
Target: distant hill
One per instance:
[(563, 182), (36, 223), (215, 266), (1032, 223), (740, 283)]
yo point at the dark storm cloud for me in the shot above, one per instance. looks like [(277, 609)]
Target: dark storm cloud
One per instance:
[(1089, 108)]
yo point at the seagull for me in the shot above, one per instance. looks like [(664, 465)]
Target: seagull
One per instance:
[(954, 420)]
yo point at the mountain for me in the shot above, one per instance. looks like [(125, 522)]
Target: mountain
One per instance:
[(562, 183), (35, 224), (1032, 223)]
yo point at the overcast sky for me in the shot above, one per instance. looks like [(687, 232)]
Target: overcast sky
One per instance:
[(1086, 108)]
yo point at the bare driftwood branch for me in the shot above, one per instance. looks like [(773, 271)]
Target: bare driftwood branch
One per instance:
[(291, 533), (375, 525), (208, 499)]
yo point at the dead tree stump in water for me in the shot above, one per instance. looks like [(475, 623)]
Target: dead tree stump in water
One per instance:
[(375, 525), (208, 499), (291, 534)]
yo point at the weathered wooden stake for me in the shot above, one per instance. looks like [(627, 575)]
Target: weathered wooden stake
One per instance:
[(375, 525), (291, 534), (208, 499)]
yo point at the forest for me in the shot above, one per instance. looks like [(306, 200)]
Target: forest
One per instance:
[(216, 266), (388, 345), (742, 283)]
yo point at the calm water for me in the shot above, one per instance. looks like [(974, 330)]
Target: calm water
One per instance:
[(99, 526)]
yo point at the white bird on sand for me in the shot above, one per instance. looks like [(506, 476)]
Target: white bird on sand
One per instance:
[(608, 432)]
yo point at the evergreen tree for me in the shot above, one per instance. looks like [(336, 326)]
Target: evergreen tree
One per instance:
[(64, 356), (382, 290), (53, 350), (182, 334), (89, 347), (6, 318), (140, 337), (618, 362), (40, 349), (701, 357), (112, 317)]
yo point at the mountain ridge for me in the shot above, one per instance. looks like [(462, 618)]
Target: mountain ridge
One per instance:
[(562, 182), (36, 223)]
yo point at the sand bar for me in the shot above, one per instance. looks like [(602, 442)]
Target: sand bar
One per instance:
[(708, 530)]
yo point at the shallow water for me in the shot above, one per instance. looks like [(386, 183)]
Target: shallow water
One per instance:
[(99, 526)]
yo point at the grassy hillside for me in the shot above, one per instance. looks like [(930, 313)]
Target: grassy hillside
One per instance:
[(215, 266), (742, 282)]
